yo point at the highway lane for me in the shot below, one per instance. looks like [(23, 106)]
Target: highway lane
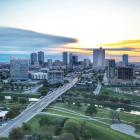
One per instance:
[(34, 109)]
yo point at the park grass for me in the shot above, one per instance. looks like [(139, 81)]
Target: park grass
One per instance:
[(103, 113), (99, 131), (102, 132), (112, 93)]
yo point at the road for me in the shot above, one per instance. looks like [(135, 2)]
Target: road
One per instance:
[(32, 90), (105, 79), (98, 88), (34, 109)]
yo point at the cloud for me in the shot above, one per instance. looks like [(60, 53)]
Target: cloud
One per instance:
[(19, 40), (124, 43)]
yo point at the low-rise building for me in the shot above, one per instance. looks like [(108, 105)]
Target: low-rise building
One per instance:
[(2, 115), (55, 77), (39, 76)]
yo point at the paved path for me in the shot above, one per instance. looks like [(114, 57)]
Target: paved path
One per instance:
[(126, 129)]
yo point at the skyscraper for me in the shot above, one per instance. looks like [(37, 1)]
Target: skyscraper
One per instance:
[(74, 59), (33, 58), (86, 63), (41, 57), (70, 58), (65, 58), (111, 68), (49, 63), (99, 59), (19, 69), (125, 59)]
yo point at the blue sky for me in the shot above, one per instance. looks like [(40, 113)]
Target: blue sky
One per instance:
[(92, 22)]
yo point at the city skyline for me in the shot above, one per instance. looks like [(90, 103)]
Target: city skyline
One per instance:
[(111, 24)]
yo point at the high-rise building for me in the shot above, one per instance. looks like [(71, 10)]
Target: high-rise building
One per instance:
[(70, 58), (65, 58), (125, 59), (19, 69), (33, 58), (99, 59), (41, 58), (74, 59), (111, 69), (86, 63), (49, 63)]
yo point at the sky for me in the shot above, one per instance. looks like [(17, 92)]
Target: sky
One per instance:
[(112, 24)]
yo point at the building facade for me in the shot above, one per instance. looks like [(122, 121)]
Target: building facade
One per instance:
[(111, 68), (50, 63), (55, 77), (125, 60), (125, 73), (39, 76), (19, 69), (99, 59), (86, 63), (33, 58), (65, 58), (70, 58), (41, 58), (74, 60)]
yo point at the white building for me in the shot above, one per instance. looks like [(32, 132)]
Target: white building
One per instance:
[(39, 76), (3, 114), (99, 59), (55, 76)]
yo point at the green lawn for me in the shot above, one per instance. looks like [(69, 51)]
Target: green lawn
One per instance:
[(98, 131), (102, 112), (112, 93)]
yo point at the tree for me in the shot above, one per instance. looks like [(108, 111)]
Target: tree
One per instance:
[(91, 110), (44, 121), (1, 97), (4, 138), (66, 136), (15, 98), (78, 104), (69, 101), (43, 91), (16, 134), (14, 111), (26, 128), (23, 100), (73, 127)]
